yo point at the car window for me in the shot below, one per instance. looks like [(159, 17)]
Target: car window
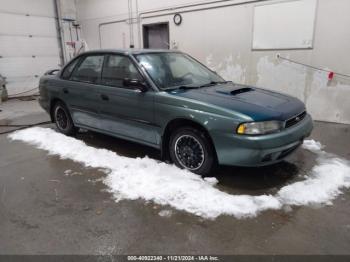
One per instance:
[(181, 66), (156, 68), (117, 68), (89, 70), (69, 69), (169, 70)]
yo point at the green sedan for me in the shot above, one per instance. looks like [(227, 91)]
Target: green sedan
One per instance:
[(169, 101)]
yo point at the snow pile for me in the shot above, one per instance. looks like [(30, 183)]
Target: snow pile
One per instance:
[(149, 179), (165, 213), (164, 184), (312, 146), (322, 185)]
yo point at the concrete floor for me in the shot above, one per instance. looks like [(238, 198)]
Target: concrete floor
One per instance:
[(15, 108), (42, 211)]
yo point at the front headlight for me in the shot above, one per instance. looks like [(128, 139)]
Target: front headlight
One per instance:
[(259, 128)]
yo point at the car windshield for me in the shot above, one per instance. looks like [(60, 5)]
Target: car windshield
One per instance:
[(171, 70)]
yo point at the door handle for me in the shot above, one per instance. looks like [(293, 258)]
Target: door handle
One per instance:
[(65, 90), (104, 97)]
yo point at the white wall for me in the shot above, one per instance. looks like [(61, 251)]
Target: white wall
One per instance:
[(222, 38)]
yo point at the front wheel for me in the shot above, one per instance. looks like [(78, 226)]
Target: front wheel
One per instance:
[(190, 149), (63, 120)]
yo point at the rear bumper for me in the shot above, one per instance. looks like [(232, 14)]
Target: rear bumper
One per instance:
[(44, 103), (262, 150)]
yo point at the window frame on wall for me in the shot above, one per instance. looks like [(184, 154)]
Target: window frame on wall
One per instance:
[(305, 44)]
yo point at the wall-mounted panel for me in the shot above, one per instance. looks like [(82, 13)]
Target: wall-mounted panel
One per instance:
[(284, 25), (114, 35)]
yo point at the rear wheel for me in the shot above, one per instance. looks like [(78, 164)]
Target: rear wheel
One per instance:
[(189, 148), (63, 119)]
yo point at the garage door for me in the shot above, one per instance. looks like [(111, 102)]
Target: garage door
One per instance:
[(28, 43)]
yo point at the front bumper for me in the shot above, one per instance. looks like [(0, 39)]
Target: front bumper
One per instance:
[(242, 150)]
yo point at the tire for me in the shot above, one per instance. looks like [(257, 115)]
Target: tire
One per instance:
[(189, 148), (63, 120)]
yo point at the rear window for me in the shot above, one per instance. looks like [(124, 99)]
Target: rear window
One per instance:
[(69, 69), (89, 70)]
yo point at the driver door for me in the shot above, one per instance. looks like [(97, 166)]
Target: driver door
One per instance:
[(124, 111)]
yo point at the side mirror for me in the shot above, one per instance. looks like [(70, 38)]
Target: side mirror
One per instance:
[(135, 83)]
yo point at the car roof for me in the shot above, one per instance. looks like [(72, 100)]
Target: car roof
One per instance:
[(131, 51)]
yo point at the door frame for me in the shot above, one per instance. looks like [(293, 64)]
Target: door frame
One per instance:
[(145, 43)]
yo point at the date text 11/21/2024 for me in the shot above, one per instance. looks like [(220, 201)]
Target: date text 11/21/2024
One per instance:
[(173, 258)]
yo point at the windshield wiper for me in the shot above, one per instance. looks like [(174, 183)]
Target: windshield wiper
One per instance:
[(183, 87), (214, 83), (187, 87)]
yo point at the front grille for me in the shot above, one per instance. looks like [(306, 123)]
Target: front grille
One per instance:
[(294, 120)]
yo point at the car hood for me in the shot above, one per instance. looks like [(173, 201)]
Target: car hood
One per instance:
[(259, 104)]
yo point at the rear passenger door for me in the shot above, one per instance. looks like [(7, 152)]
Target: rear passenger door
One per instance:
[(80, 90), (125, 111)]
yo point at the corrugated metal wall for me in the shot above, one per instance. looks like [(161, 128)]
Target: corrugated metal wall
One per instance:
[(28, 43)]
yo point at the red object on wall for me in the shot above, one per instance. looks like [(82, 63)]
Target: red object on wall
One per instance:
[(330, 75), (72, 44)]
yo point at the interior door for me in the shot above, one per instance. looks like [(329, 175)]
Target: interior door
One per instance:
[(156, 36), (124, 111)]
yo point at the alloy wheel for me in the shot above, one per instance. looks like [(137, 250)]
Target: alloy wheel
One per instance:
[(189, 152), (61, 118)]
